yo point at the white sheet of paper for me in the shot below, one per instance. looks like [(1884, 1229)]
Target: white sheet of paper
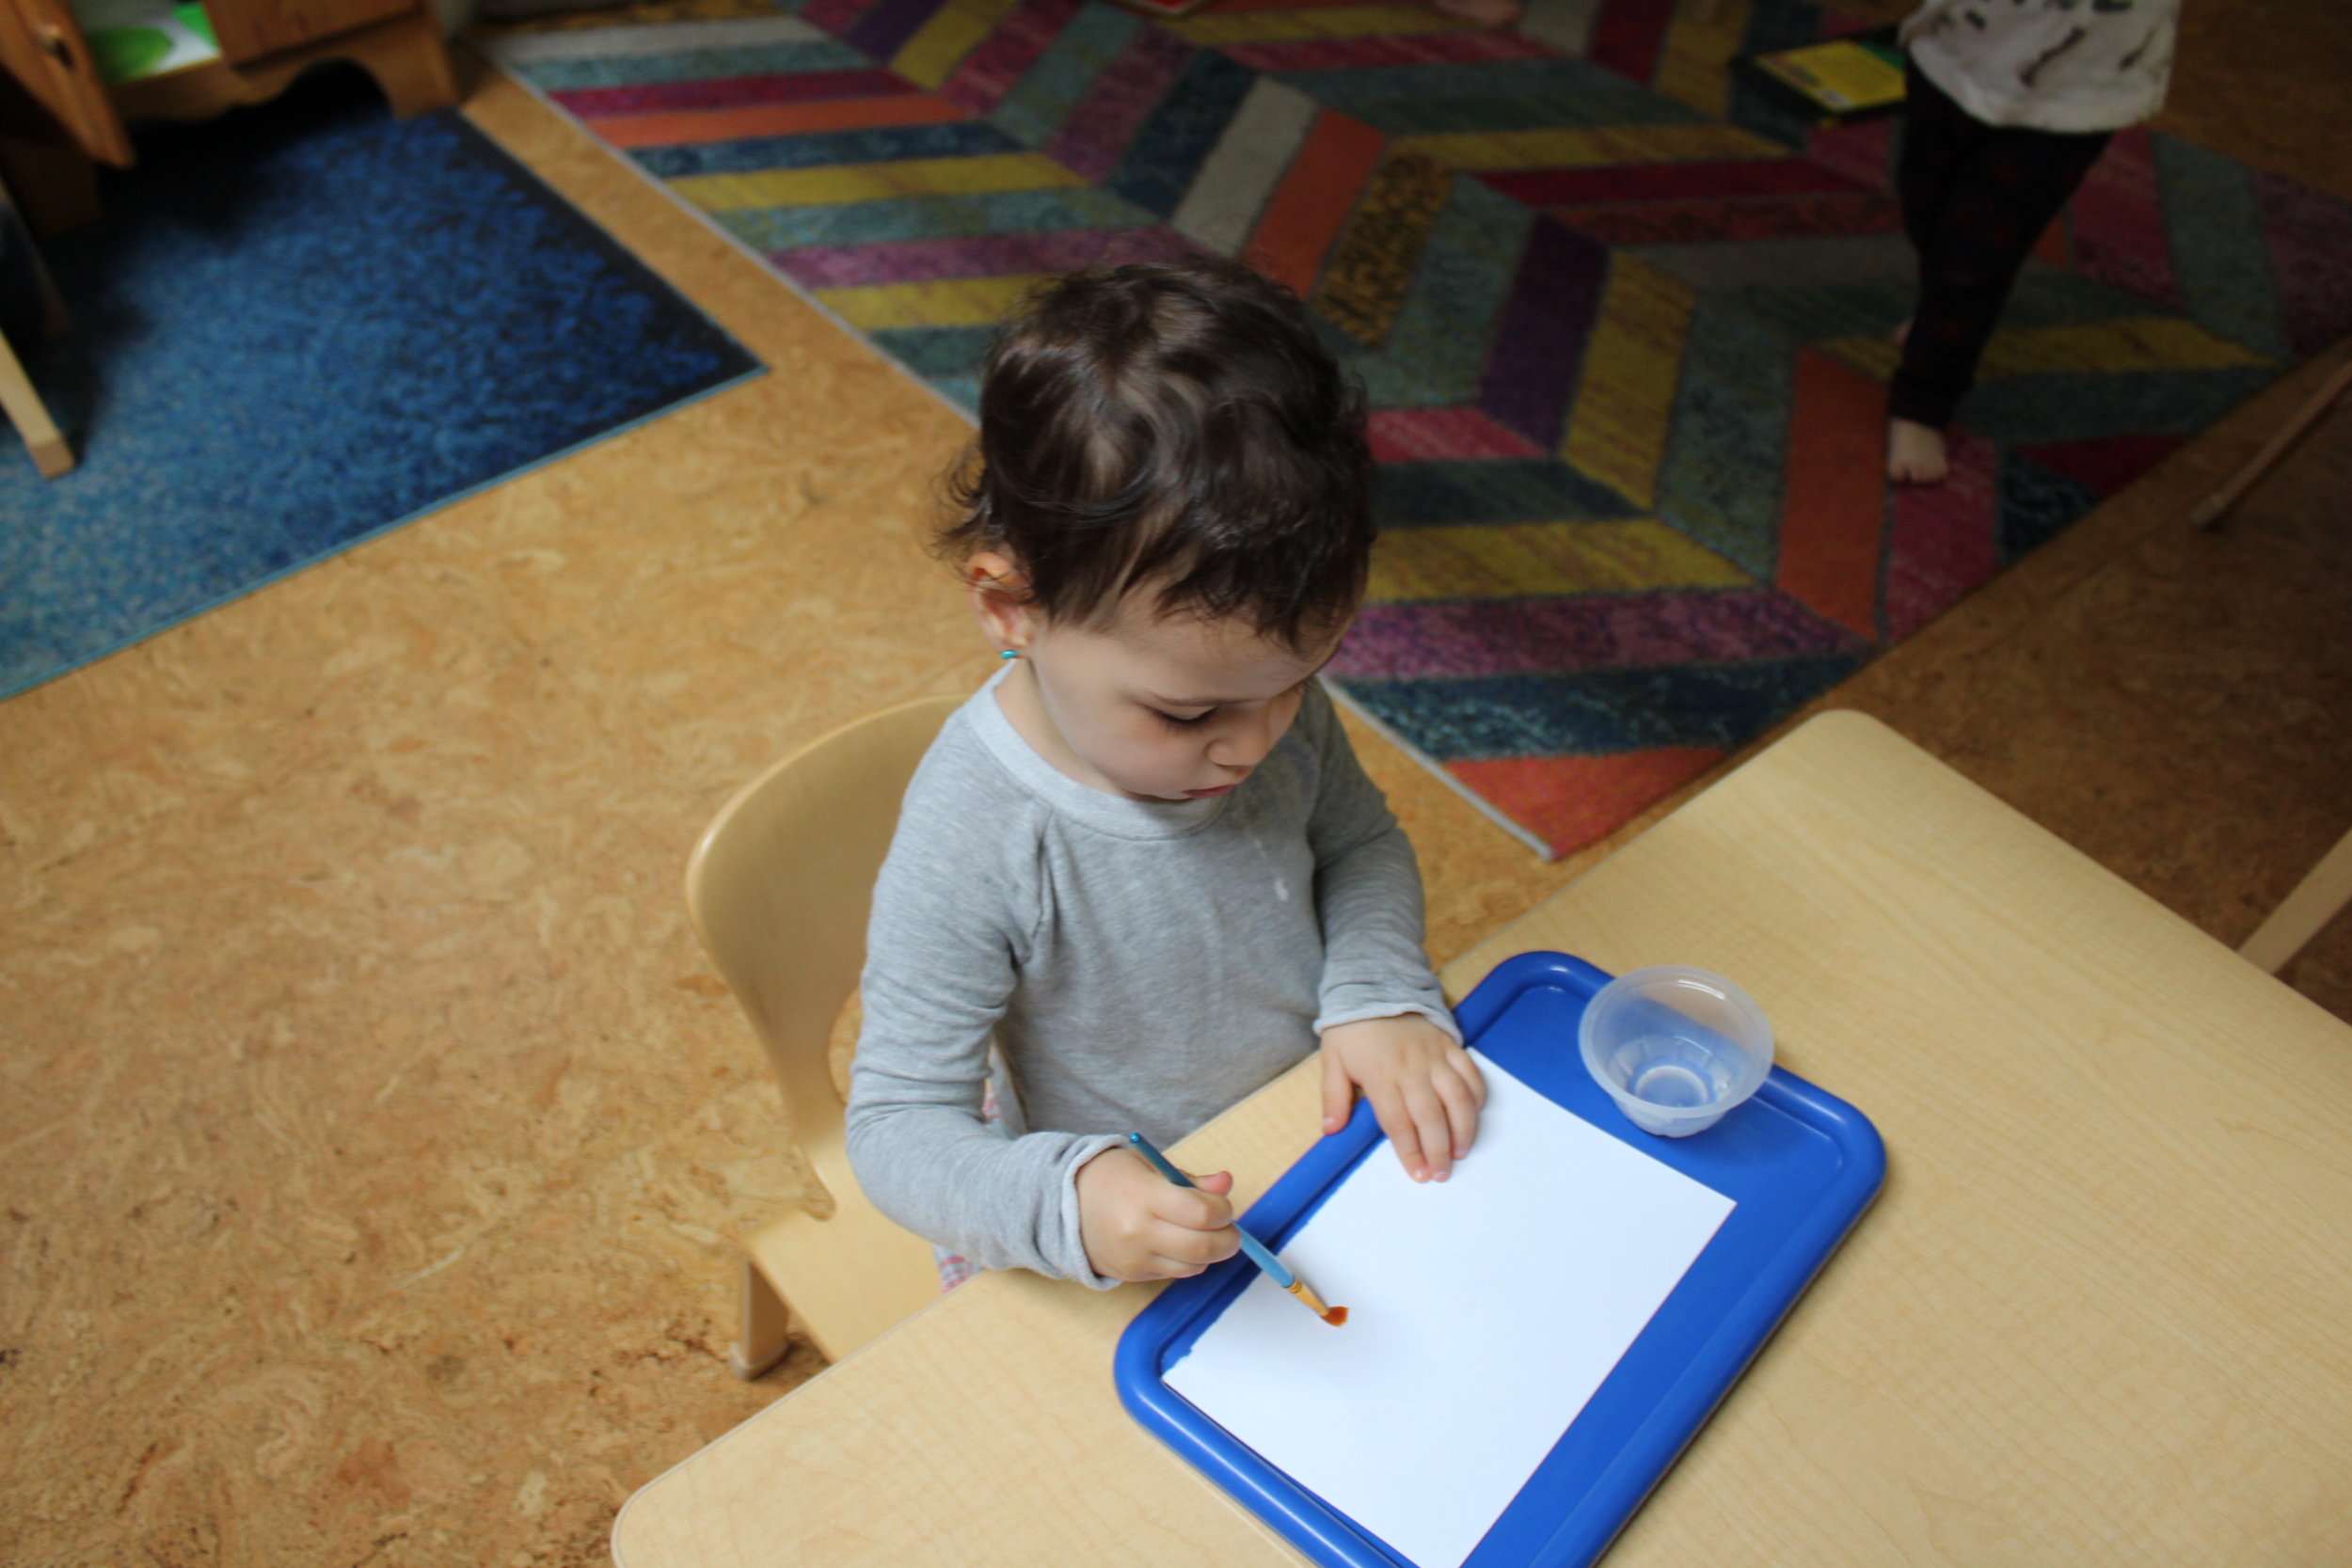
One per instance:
[(1484, 1311)]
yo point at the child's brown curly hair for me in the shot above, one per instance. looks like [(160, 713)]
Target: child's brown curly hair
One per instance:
[(1177, 425)]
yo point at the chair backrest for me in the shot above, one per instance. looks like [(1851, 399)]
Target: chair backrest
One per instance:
[(779, 888)]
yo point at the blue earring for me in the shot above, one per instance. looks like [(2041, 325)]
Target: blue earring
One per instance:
[(1010, 653)]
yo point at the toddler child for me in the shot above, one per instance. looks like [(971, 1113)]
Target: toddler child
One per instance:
[(2009, 102), (1142, 859)]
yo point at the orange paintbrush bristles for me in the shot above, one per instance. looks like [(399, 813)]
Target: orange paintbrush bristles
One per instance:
[(1335, 1316)]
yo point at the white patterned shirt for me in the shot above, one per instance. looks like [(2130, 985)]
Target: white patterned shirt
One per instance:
[(2050, 65)]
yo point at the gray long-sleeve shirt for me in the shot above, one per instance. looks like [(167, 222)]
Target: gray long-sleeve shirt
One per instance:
[(1141, 965)]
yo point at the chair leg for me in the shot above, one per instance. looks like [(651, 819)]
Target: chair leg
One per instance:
[(2318, 899), (26, 411), (762, 1337), (2209, 511)]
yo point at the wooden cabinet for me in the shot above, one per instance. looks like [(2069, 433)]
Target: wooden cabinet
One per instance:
[(251, 30), (58, 118), (55, 80), (52, 95)]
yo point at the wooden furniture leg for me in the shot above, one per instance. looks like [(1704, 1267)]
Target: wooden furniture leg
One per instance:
[(2316, 899), (762, 1337), (22, 404), (26, 411), (2210, 511)]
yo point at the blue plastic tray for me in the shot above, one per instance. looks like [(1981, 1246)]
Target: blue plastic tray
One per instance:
[(1802, 1165)]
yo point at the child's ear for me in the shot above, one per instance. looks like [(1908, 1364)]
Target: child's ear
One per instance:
[(1000, 598)]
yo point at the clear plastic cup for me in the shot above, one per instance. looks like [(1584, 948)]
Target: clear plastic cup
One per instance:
[(1674, 1046)]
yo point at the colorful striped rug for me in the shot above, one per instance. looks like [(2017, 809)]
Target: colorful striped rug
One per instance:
[(1624, 319)]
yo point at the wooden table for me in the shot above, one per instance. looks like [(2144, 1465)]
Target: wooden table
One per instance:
[(2101, 1314)]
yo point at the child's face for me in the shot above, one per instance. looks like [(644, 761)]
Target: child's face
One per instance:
[(1158, 708)]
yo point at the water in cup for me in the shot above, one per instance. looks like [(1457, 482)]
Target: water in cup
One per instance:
[(1676, 1047), (1666, 1073)]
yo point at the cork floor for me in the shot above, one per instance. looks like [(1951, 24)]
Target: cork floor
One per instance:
[(373, 1129)]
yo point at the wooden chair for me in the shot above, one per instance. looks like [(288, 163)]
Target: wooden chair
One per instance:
[(779, 888)]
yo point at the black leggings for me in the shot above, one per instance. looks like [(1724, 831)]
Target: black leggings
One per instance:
[(1976, 198)]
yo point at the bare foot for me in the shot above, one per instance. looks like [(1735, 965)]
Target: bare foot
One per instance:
[(1915, 453), (1486, 13)]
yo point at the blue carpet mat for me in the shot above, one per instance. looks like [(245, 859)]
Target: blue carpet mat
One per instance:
[(297, 326)]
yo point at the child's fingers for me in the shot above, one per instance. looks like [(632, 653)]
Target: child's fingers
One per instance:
[(1192, 1209), (1462, 1101), (1433, 1123), (1195, 1249), (1182, 1253), (1339, 1094), (1466, 1067), (1388, 1105)]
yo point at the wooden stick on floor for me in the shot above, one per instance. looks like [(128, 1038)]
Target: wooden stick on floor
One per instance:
[(2210, 511)]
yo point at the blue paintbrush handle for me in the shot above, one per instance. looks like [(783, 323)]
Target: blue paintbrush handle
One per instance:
[(1250, 1245)]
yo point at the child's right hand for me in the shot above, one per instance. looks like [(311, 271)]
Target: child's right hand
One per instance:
[(1138, 1224)]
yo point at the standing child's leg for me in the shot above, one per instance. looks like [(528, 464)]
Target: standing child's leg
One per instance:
[(1939, 139), (1976, 198)]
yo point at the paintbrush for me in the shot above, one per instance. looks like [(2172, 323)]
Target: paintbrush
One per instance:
[(1274, 1266)]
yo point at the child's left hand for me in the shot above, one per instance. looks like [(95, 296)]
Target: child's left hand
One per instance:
[(1423, 1087)]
